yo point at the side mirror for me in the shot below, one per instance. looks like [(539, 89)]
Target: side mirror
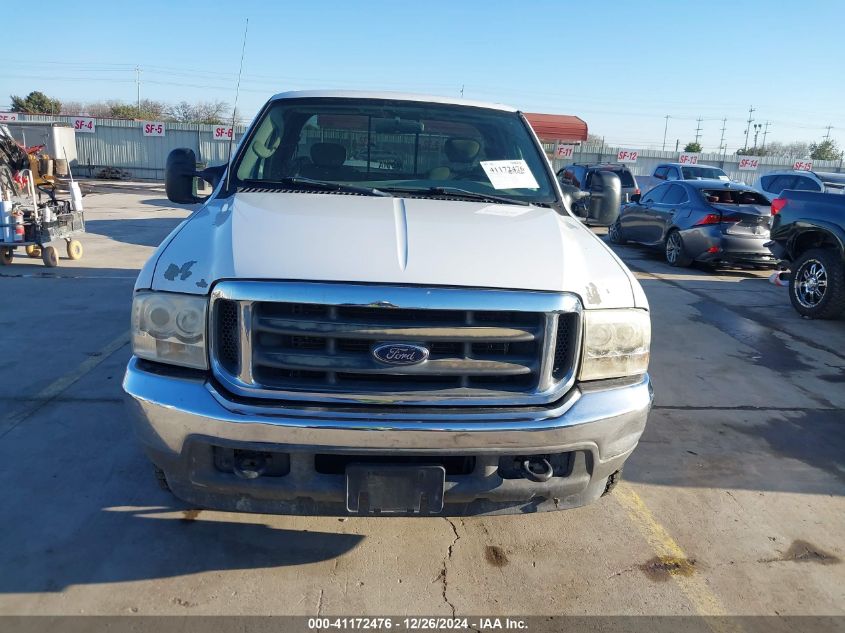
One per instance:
[(179, 174), (636, 197), (605, 198), (574, 198)]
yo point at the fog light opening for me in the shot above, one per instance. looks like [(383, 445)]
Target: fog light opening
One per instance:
[(249, 464), (537, 469)]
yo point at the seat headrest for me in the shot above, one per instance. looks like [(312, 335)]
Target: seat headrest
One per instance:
[(462, 150), (328, 154)]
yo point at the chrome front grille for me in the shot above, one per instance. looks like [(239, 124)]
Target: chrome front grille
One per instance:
[(312, 341)]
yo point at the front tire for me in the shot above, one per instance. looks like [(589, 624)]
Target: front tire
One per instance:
[(675, 251), (817, 284), (614, 234), (6, 255)]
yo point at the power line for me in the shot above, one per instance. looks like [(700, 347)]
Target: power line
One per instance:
[(827, 136), (748, 127)]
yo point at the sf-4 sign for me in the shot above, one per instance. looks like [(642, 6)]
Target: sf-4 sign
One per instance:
[(749, 164), (564, 151), (222, 133), (803, 165), (84, 124), (627, 156), (152, 128), (688, 158)]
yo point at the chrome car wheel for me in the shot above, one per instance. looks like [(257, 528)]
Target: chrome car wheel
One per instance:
[(811, 284)]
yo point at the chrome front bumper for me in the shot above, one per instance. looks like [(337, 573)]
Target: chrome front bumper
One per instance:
[(174, 413)]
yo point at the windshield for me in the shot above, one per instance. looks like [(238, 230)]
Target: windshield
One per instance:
[(691, 173), (734, 196), (403, 145)]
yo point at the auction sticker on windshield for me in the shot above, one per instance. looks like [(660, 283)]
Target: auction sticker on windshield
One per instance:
[(509, 174)]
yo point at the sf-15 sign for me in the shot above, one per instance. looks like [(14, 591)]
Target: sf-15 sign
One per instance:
[(803, 165), (152, 128)]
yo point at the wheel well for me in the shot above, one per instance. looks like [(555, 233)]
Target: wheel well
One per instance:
[(814, 239)]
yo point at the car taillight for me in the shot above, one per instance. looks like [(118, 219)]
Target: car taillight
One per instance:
[(637, 191), (777, 205), (716, 218)]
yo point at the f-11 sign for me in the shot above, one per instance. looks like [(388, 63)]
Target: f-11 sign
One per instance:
[(749, 164), (8, 116), (803, 165), (564, 151), (85, 125), (627, 156), (687, 158), (152, 128)]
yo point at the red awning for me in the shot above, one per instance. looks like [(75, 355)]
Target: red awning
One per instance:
[(557, 127)]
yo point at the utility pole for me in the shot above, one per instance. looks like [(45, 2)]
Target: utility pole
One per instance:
[(757, 127), (827, 136), (665, 129), (677, 142), (138, 86), (765, 132), (748, 127), (722, 146), (462, 91), (698, 130)]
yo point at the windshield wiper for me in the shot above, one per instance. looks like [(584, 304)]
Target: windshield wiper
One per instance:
[(456, 192), (297, 181)]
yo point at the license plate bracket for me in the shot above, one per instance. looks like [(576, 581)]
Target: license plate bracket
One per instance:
[(395, 488)]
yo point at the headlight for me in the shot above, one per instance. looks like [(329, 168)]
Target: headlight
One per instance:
[(170, 328), (616, 344)]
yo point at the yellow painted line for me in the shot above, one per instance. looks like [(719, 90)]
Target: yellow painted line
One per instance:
[(61, 384), (693, 586)]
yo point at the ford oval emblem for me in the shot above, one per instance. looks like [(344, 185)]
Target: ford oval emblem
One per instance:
[(400, 353)]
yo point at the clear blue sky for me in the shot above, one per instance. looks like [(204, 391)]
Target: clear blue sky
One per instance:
[(622, 69)]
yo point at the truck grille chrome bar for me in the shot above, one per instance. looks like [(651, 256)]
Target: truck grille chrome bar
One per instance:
[(313, 341)]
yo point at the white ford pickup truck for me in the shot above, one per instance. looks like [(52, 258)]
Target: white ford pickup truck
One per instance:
[(386, 307)]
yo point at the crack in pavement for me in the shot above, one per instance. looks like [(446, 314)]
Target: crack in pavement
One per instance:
[(444, 571)]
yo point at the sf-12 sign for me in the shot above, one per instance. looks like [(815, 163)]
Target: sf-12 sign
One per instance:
[(749, 164), (803, 165), (688, 158), (84, 124), (8, 116), (564, 151), (152, 128), (627, 156), (222, 133)]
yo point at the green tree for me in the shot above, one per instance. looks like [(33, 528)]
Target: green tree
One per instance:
[(694, 147), (826, 150), (36, 103)]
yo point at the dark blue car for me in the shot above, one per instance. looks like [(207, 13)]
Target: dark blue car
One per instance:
[(709, 221)]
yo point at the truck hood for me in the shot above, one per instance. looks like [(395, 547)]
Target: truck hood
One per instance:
[(343, 238)]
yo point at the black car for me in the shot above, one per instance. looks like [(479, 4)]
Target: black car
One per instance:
[(709, 221), (581, 175), (808, 233)]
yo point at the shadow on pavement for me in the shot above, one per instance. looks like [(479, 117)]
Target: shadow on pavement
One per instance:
[(144, 232), (129, 544)]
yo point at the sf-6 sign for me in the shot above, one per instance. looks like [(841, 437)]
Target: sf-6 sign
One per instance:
[(84, 124), (152, 128), (749, 164), (222, 133)]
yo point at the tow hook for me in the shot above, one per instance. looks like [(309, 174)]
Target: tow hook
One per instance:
[(249, 465), (539, 470)]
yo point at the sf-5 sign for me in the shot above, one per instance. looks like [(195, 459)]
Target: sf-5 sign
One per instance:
[(152, 128)]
